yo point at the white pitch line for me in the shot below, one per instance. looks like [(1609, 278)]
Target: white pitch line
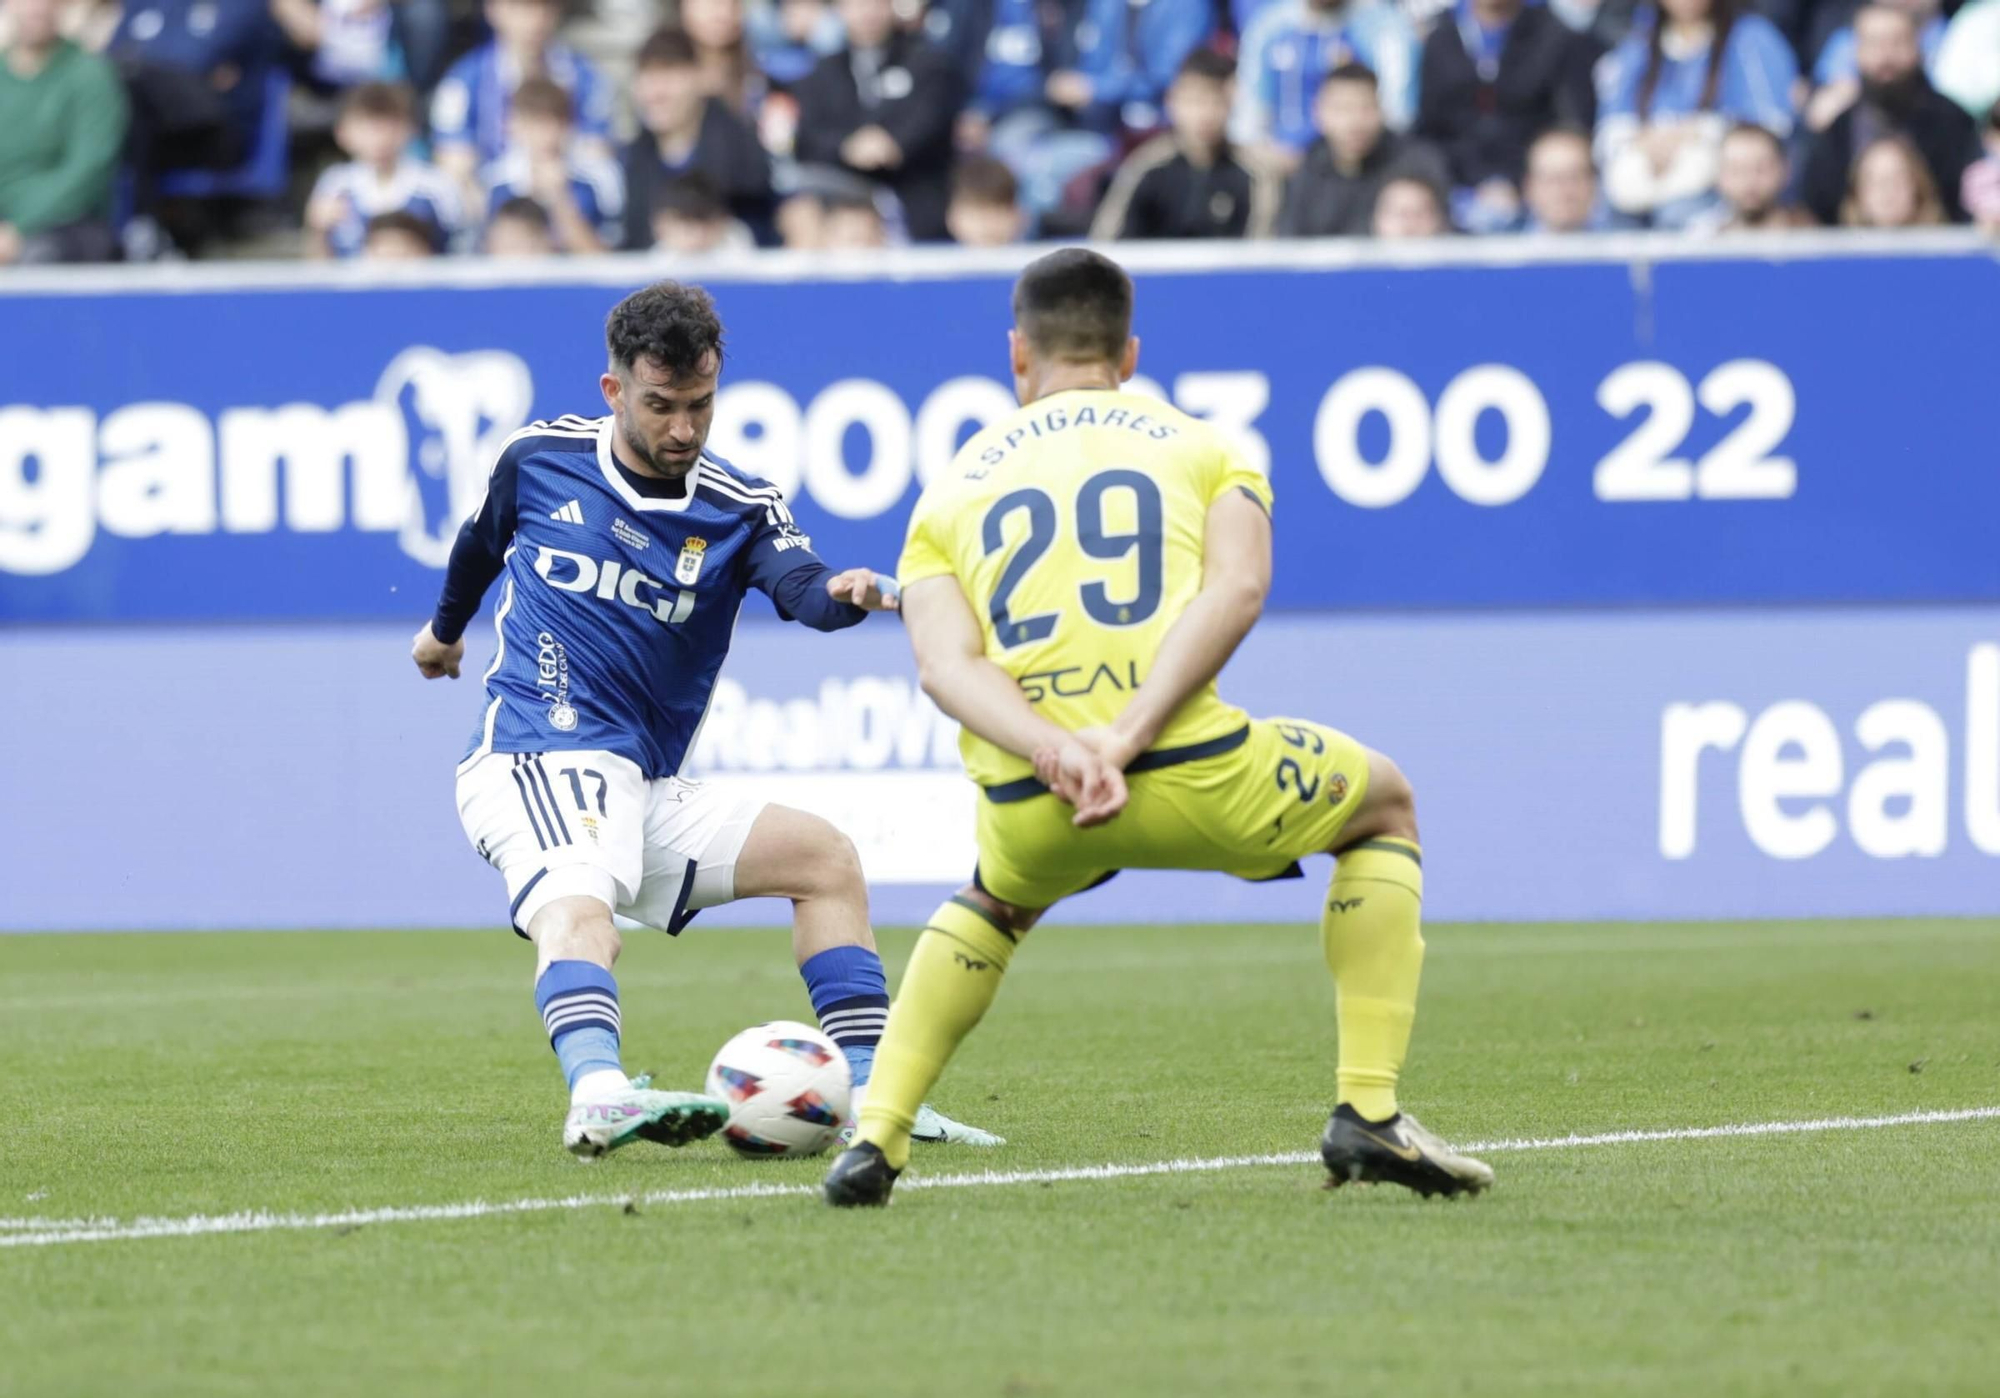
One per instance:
[(46, 1232)]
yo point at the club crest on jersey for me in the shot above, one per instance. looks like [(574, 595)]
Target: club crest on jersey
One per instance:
[(688, 566), (562, 716)]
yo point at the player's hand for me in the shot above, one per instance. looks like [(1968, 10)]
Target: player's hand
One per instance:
[(434, 658), (1077, 774), (1110, 744), (864, 588)]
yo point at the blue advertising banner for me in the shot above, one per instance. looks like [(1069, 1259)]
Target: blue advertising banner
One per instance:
[(1716, 764), (1651, 427)]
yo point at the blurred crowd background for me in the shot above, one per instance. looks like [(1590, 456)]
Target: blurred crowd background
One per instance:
[(161, 129)]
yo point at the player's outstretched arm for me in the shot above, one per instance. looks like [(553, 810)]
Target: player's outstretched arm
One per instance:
[(867, 589), (477, 556), (1235, 578), (955, 672)]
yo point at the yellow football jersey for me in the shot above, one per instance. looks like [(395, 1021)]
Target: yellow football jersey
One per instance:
[(1075, 525)]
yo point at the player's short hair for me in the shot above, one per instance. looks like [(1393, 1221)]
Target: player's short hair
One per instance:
[(692, 196), (667, 47), (980, 179), (522, 209), (386, 101), (544, 97), (1208, 65), (1075, 305), (1352, 72), (672, 324)]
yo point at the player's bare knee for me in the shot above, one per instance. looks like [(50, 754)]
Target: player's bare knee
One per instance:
[(831, 867), (1390, 807)]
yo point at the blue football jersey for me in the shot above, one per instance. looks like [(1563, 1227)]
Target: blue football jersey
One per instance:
[(618, 600)]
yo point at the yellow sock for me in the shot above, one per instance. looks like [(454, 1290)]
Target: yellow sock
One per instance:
[(952, 977), (1372, 933)]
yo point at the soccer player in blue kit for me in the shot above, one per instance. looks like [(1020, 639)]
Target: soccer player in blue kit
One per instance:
[(626, 550)]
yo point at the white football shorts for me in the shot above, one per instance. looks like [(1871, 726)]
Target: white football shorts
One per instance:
[(563, 824)]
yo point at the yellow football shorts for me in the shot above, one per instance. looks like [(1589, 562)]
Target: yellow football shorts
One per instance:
[(1252, 804)]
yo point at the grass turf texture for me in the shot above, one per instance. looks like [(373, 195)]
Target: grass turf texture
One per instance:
[(172, 1075)]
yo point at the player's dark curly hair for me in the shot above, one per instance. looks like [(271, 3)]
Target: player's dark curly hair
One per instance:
[(673, 325)]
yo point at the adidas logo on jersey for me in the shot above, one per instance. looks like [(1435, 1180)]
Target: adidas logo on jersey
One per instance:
[(572, 513)]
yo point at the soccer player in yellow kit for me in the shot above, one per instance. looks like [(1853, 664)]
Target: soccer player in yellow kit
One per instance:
[(1072, 585)]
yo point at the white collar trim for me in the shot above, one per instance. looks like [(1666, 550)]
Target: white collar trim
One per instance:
[(616, 479)]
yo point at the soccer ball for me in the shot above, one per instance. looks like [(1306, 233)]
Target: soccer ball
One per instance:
[(787, 1086)]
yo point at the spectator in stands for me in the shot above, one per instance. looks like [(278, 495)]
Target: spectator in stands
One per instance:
[(1332, 194), (1292, 45), (1559, 186), (789, 37), (1125, 57), (1968, 59), (197, 72), (1189, 182), (985, 209), (1891, 187), (376, 125), (1496, 74), (1666, 97), (1089, 65), (688, 132), (582, 189), (345, 41), (62, 125), (470, 108), (520, 227), (1980, 190), (722, 52), (1753, 179), (1838, 70), (852, 221), (801, 223), (396, 237), (1895, 98), (689, 218), (1409, 206), (883, 108), (1009, 54)]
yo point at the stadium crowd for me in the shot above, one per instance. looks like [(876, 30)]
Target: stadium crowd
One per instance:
[(409, 128)]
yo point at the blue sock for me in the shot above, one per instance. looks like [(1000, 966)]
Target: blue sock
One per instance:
[(579, 1005), (851, 997)]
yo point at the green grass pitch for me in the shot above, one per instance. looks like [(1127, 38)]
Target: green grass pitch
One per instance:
[(297, 1073)]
